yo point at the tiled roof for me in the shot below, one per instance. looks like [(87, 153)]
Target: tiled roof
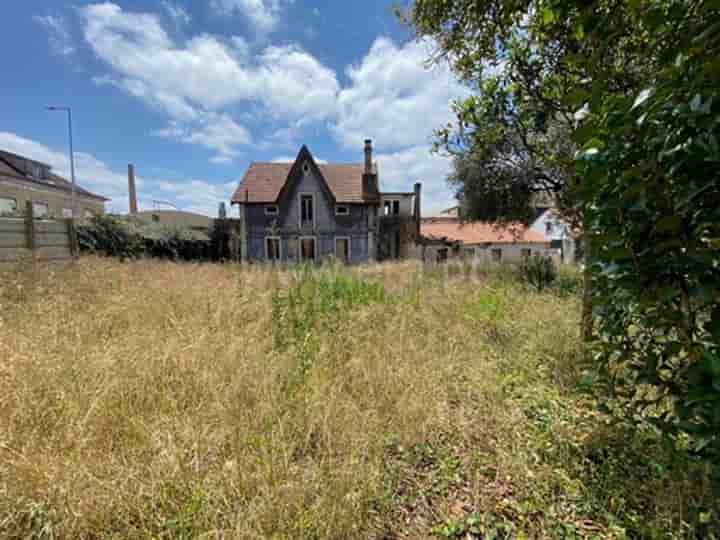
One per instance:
[(478, 232), (52, 180), (263, 182)]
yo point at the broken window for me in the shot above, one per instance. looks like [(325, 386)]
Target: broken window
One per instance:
[(391, 207), (8, 207), (307, 211), (307, 248), (272, 248), (342, 249), (40, 210)]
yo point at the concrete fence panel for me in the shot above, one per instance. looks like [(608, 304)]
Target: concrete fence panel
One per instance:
[(36, 239)]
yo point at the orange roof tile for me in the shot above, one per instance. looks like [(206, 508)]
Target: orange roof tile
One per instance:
[(479, 232)]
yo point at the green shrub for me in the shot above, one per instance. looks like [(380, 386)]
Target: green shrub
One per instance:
[(109, 236), (538, 271), (112, 236)]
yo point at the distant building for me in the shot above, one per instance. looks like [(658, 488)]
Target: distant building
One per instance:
[(23, 179), (448, 237), (198, 223), (563, 239)]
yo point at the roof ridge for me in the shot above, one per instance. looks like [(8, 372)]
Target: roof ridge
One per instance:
[(320, 164)]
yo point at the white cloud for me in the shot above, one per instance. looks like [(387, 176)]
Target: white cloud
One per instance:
[(205, 72), (392, 96), (95, 175), (395, 97), (263, 14), (176, 12), (400, 170), (215, 131), (189, 81), (58, 34)]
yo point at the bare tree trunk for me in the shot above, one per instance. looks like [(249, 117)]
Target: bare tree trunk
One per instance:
[(586, 320)]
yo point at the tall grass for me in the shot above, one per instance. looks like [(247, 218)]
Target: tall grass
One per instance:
[(160, 400)]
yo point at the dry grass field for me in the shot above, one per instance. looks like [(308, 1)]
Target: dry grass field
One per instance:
[(158, 400)]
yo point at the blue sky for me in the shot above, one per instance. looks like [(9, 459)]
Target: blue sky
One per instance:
[(192, 91)]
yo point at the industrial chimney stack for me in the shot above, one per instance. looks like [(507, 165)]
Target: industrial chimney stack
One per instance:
[(131, 190)]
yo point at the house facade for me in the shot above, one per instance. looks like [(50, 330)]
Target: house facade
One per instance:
[(305, 211), (563, 240), (24, 180), (481, 241)]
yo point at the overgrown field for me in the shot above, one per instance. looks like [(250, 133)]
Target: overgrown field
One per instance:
[(160, 400)]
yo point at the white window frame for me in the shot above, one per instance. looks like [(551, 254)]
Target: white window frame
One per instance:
[(41, 203), (67, 213), (315, 247), (267, 251), (344, 207), (349, 247), (314, 205), (272, 210), (12, 200)]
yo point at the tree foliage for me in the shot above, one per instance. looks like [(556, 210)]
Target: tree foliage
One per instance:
[(612, 106), (651, 175)]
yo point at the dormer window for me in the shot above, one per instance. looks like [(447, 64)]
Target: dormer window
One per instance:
[(342, 210), (271, 210)]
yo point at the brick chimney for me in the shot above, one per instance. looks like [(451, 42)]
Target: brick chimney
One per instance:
[(368, 157), (131, 189), (371, 190)]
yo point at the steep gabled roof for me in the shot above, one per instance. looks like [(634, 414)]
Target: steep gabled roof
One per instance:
[(479, 232), (263, 182)]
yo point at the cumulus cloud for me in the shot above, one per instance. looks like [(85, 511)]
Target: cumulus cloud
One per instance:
[(395, 97), (400, 170), (264, 15), (190, 80), (58, 34), (176, 12), (218, 132), (392, 95)]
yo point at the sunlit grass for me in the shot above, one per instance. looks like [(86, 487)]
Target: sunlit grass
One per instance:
[(151, 399)]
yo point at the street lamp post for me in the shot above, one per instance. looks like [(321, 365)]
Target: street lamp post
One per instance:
[(72, 155)]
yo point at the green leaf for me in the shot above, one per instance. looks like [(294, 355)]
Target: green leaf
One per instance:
[(548, 15)]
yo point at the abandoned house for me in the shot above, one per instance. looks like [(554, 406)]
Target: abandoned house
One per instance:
[(308, 211), (24, 180)]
